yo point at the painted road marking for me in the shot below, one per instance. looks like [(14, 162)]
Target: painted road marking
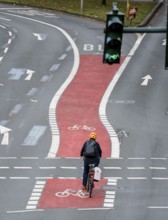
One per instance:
[(41, 36), (136, 168), (60, 193), (5, 132), (29, 74), (110, 194), (36, 194), (16, 73), (158, 207), (112, 168), (34, 135)]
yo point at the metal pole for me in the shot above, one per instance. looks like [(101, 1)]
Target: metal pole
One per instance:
[(81, 6), (166, 55), (128, 8), (145, 30)]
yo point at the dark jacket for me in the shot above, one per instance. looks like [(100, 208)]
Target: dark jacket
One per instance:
[(95, 159)]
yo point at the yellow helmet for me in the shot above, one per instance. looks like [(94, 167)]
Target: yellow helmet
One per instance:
[(93, 135)]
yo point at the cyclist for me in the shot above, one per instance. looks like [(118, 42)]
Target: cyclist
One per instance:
[(87, 158)]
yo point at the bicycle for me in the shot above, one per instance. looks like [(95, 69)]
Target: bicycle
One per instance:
[(90, 181)]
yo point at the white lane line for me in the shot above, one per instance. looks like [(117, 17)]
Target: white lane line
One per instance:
[(92, 209), (4, 167), (30, 158), (117, 158), (137, 178), (158, 158), (8, 158), (23, 211), (19, 178), (6, 19), (158, 168), (109, 194), (69, 168), (157, 207), (22, 168), (115, 145), (62, 57), (6, 50), (112, 168), (159, 178), (34, 135), (36, 194), (43, 178), (115, 177), (47, 168), (66, 177), (136, 158), (136, 168)]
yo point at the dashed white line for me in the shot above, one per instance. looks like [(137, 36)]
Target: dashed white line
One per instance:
[(136, 158), (43, 178), (30, 158), (159, 178), (112, 168), (136, 168), (19, 178), (158, 158), (69, 168), (4, 167), (36, 194), (62, 57), (22, 168), (157, 207), (137, 178)]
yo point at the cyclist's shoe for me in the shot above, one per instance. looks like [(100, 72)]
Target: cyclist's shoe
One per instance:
[(83, 187)]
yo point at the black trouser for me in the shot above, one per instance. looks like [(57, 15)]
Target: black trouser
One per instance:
[(86, 169)]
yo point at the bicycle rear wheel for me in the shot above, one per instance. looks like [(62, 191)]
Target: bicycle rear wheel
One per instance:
[(90, 188)]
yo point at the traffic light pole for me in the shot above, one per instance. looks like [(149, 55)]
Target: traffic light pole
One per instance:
[(166, 56), (145, 30)]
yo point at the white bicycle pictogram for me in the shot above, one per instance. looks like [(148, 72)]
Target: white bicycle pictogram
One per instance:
[(84, 127), (70, 192)]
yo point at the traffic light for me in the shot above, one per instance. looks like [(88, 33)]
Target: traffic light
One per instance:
[(113, 37)]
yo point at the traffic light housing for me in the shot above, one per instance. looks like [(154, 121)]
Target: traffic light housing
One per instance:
[(113, 37)]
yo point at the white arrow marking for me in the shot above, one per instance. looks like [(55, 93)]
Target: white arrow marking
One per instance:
[(30, 74), (38, 36), (5, 132), (146, 80), (41, 36), (164, 42)]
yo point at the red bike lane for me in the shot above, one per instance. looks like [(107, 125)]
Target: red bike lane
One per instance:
[(78, 106), (77, 115), (63, 193)]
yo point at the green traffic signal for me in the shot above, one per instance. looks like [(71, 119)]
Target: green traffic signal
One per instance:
[(113, 37), (110, 59)]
